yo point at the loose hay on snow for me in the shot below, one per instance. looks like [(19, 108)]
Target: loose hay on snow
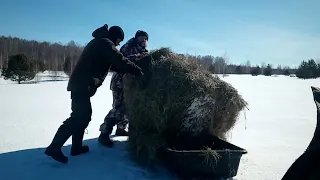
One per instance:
[(176, 96)]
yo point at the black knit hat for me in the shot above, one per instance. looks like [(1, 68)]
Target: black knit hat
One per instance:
[(116, 32), (141, 33)]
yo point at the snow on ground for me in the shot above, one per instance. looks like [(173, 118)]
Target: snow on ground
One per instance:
[(277, 129)]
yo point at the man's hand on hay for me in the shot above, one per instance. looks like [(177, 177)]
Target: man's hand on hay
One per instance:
[(138, 56), (114, 69)]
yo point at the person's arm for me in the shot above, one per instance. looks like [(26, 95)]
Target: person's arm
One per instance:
[(119, 63)]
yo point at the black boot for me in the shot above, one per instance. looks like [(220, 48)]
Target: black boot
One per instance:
[(56, 154), (121, 132), (77, 148), (105, 140), (54, 149)]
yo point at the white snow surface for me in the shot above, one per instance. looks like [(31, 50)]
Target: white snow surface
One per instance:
[(277, 129)]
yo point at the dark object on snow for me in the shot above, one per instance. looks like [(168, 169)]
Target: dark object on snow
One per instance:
[(210, 157), (307, 165)]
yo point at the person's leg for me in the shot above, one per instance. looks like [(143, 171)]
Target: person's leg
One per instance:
[(114, 114), (119, 107), (84, 117), (61, 136), (109, 122), (122, 120), (78, 121), (77, 148)]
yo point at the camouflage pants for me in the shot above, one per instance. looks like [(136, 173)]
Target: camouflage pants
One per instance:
[(116, 115)]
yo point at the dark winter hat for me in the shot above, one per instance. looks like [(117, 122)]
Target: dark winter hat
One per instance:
[(141, 33), (116, 32)]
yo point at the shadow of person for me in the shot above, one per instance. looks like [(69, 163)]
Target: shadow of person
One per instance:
[(99, 163)]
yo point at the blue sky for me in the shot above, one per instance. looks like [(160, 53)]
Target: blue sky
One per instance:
[(283, 32)]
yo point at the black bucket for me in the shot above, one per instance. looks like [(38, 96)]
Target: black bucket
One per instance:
[(188, 160)]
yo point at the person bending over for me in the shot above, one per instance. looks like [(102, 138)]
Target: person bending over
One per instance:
[(99, 55)]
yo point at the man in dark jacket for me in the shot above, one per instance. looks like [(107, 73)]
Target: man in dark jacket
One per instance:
[(88, 75), (134, 49)]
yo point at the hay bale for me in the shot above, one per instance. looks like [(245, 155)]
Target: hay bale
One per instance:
[(176, 96)]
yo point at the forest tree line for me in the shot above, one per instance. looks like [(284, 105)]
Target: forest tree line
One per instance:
[(63, 57), (54, 55), (221, 65), (51, 55)]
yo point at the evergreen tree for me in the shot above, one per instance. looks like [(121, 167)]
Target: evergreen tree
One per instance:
[(67, 66), (268, 70), (211, 69), (313, 68), (239, 70), (19, 69), (286, 72), (308, 69), (255, 71)]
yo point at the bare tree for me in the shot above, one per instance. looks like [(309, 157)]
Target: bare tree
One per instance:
[(226, 61), (1, 58), (263, 66), (248, 67), (278, 70)]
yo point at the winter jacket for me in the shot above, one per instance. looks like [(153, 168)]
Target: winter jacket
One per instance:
[(132, 50), (95, 62)]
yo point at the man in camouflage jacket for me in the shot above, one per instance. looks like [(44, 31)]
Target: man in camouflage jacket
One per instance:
[(134, 49)]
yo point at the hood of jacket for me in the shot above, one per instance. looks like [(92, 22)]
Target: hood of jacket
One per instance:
[(101, 32)]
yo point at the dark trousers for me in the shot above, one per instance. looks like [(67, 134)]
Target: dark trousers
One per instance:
[(76, 124)]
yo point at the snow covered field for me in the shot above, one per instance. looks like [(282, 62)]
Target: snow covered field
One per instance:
[(276, 130)]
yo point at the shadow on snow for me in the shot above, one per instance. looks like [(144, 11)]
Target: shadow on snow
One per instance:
[(99, 163)]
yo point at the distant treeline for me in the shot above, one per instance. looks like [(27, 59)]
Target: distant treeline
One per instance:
[(60, 57), (52, 55), (220, 65)]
